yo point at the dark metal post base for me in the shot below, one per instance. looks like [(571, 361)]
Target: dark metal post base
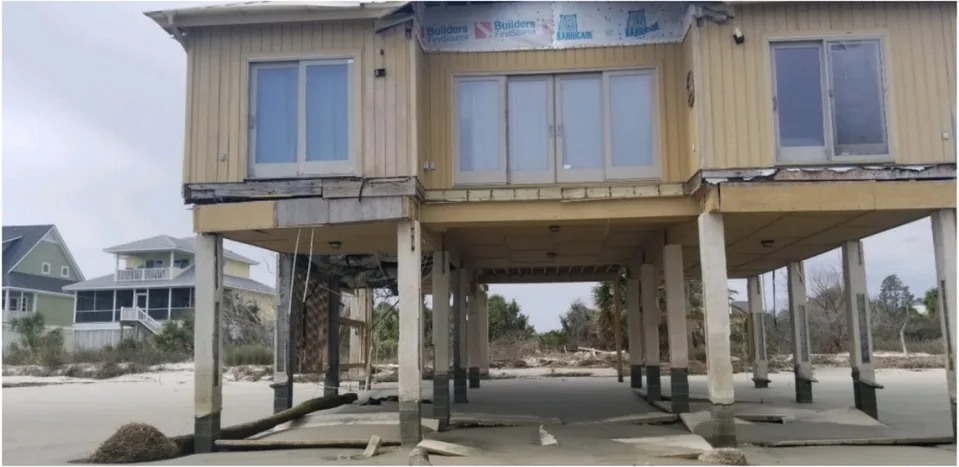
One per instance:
[(636, 376), (654, 388), (282, 396), (410, 433), (803, 390), (474, 377), (459, 385), (679, 387), (724, 426), (760, 383), (206, 430), (441, 399)]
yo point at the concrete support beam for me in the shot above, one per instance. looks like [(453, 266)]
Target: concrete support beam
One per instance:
[(676, 327), (484, 332), (719, 364), (802, 365), (757, 324), (409, 258), (649, 284), (634, 327), (617, 339), (944, 244), (208, 344), (331, 380), (284, 346), (441, 338), (361, 309), (473, 333), (859, 321), (461, 279)]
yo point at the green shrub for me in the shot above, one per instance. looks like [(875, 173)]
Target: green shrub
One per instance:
[(248, 355), (175, 337)]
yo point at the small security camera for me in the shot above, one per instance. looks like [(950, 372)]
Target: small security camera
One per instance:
[(738, 36)]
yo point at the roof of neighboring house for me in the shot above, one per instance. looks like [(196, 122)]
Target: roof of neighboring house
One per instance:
[(740, 305), (167, 243), (186, 279), (18, 241), (20, 280)]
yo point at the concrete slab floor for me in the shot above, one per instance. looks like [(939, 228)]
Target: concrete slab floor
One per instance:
[(53, 424)]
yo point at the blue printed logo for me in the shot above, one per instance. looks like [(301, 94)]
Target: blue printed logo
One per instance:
[(568, 29), (636, 24)]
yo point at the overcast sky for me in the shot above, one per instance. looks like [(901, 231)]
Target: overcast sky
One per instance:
[(93, 119)]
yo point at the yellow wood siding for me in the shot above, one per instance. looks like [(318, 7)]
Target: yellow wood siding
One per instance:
[(919, 53), (666, 58), (217, 94), (236, 268)]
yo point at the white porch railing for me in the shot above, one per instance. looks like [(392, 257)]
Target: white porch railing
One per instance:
[(132, 313), (146, 274), (10, 315)]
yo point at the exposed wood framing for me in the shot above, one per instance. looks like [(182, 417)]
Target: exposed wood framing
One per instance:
[(329, 188), (556, 193), (317, 211)]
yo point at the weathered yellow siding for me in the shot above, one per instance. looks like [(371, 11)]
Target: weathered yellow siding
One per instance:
[(236, 269), (919, 46), (691, 71), (666, 58), (217, 94)]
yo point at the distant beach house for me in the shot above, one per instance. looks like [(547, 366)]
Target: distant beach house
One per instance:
[(152, 283), (36, 266)]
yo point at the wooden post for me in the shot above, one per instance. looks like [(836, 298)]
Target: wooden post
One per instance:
[(944, 245), (802, 364), (676, 327), (634, 327), (719, 364), (207, 385), (409, 258), (858, 320), (461, 279), (284, 345), (473, 328), (441, 337), (616, 325), (331, 384)]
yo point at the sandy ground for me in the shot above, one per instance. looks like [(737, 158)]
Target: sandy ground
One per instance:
[(55, 423)]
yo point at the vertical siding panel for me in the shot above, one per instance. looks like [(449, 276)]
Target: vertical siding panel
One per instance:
[(199, 101), (921, 102), (941, 90), (907, 124), (244, 92), (210, 142), (742, 99), (189, 135), (233, 115), (730, 102), (753, 93)]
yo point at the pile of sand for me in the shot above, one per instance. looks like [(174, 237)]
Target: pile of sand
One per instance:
[(135, 442)]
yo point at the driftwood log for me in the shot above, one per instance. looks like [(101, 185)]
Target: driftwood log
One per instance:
[(264, 444), (419, 456), (245, 430)]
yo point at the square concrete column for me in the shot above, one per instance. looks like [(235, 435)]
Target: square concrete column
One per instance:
[(473, 331), (649, 284), (207, 344), (859, 321), (284, 345), (361, 309), (461, 280), (802, 366), (441, 338), (757, 331), (944, 245), (676, 327), (617, 329), (331, 380), (484, 332), (410, 355), (719, 363), (634, 327)]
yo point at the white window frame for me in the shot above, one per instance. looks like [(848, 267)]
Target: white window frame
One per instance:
[(45, 268), (64, 271), (520, 177), (636, 171), (828, 153), (573, 175), (465, 177), (302, 167), (556, 174)]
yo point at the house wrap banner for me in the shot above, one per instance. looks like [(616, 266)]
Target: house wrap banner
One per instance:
[(498, 26)]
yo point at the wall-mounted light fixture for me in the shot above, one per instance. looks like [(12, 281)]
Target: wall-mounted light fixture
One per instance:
[(554, 228), (335, 244), (767, 243), (551, 255)]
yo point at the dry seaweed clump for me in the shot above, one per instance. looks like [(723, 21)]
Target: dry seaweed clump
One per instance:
[(135, 442)]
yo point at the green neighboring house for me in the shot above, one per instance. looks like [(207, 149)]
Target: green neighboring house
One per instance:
[(36, 266)]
